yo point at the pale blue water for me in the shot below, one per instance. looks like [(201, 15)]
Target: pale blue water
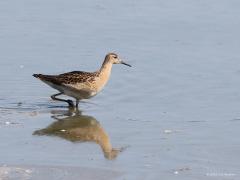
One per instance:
[(176, 109)]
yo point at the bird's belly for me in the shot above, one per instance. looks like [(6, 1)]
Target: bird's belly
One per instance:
[(79, 94), (78, 91)]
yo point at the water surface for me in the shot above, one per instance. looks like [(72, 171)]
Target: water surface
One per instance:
[(174, 114)]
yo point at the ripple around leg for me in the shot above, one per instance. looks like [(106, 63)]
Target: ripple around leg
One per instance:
[(39, 106)]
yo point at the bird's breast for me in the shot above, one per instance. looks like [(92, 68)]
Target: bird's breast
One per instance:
[(101, 81)]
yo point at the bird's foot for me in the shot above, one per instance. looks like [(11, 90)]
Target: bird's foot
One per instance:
[(70, 103)]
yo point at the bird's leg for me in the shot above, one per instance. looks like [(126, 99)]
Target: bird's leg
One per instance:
[(77, 102), (70, 102)]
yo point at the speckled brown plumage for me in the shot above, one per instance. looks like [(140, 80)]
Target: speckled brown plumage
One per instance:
[(73, 77), (80, 84)]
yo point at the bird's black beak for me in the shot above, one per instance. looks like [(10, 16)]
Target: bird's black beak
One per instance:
[(122, 62)]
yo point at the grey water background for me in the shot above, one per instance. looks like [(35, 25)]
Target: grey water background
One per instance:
[(176, 110)]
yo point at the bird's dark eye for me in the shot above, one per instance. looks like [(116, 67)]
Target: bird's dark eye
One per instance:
[(115, 57)]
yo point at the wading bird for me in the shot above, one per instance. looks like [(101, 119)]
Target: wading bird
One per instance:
[(79, 84)]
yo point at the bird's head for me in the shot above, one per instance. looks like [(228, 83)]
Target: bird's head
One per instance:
[(114, 59)]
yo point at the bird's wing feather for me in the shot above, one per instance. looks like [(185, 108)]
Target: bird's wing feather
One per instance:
[(74, 77)]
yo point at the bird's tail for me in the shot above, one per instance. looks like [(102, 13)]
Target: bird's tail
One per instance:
[(47, 78), (37, 75)]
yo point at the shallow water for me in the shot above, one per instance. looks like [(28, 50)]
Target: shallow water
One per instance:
[(173, 115)]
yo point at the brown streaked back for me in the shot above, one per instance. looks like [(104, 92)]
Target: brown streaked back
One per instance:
[(73, 77)]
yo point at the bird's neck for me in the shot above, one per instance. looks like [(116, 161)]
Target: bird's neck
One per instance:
[(104, 74), (106, 66), (105, 70)]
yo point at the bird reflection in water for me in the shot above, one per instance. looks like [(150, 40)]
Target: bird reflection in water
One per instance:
[(73, 126)]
